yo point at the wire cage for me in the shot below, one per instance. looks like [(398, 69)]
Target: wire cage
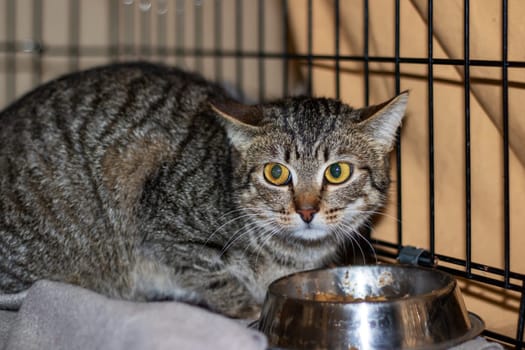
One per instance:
[(458, 181)]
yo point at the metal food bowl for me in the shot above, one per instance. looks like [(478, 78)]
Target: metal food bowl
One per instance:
[(367, 307)]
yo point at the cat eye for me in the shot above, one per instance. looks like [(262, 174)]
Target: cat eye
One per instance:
[(277, 174), (339, 172)]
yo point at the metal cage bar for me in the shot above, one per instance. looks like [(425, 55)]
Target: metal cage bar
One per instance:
[(398, 142), (431, 169), (261, 66), (162, 27), (145, 28), (505, 111), (468, 205), (74, 34), (366, 58), (310, 58), (521, 320), (129, 26), (337, 63), (238, 46), (199, 34), (36, 42), (180, 41), (217, 23), (11, 48), (285, 58)]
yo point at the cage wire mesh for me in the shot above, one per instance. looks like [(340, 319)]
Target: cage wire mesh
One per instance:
[(458, 166)]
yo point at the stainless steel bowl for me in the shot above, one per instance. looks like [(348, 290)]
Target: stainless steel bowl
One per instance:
[(367, 307)]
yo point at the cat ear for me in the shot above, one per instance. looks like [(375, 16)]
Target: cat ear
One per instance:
[(382, 121), (238, 113), (241, 121)]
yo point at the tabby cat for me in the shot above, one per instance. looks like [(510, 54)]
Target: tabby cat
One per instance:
[(144, 182)]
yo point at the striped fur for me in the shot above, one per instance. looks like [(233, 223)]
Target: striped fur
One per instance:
[(128, 180)]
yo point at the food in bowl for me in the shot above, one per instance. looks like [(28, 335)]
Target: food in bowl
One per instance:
[(344, 298)]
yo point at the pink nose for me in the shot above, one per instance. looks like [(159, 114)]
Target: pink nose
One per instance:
[(307, 214)]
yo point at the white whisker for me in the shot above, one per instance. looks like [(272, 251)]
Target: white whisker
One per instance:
[(371, 212), (271, 234), (237, 235), (253, 226), (229, 222), (355, 233)]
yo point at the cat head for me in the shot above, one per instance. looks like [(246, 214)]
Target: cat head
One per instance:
[(311, 169)]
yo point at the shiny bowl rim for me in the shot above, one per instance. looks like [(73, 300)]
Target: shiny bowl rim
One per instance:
[(447, 288)]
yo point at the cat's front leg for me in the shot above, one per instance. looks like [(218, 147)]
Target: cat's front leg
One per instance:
[(226, 294), (217, 290), (222, 291)]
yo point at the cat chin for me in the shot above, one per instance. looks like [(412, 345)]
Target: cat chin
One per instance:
[(310, 234)]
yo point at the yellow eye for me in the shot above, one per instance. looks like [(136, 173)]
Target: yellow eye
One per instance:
[(338, 173), (277, 174)]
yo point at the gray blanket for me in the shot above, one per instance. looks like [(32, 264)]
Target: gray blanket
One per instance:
[(59, 316)]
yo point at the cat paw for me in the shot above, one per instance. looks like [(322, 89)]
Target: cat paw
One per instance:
[(251, 312), (182, 296)]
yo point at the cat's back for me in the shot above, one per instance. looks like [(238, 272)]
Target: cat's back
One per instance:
[(91, 110), (122, 89), (74, 155), (83, 119)]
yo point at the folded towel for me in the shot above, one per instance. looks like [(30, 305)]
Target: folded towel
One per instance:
[(60, 316)]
